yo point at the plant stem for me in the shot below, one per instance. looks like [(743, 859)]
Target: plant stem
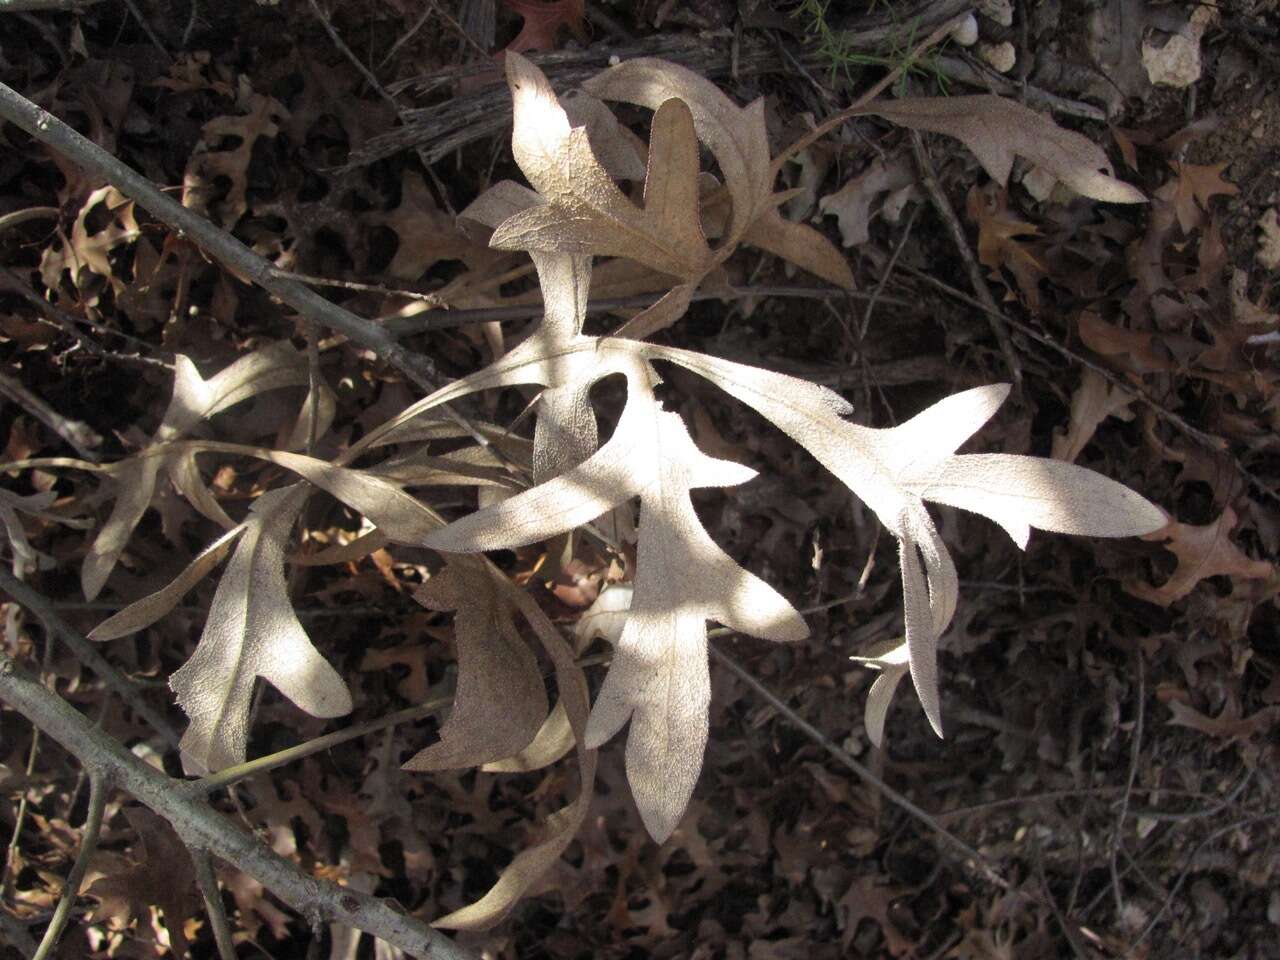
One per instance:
[(99, 789), (201, 827), (972, 858), (208, 881), (230, 775)]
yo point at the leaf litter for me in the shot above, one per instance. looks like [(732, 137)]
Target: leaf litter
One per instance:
[(1195, 331)]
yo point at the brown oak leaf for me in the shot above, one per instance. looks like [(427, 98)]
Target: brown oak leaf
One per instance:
[(164, 877), (1202, 551)]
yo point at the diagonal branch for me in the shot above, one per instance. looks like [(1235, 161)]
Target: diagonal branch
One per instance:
[(86, 654), (220, 244), (201, 827), (99, 790)]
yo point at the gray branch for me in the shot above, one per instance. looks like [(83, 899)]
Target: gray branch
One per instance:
[(203, 828), (48, 129)]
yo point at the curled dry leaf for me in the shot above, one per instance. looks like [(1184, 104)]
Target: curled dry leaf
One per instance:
[(194, 399), (163, 877), (738, 139), (851, 204), (583, 211), (500, 701), (561, 827), (1093, 402)]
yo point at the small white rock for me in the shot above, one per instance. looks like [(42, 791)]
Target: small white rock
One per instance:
[(1000, 56), (966, 32)]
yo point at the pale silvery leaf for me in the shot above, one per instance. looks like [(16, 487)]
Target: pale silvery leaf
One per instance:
[(1019, 492), (142, 613), (894, 470), (194, 399), (893, 665), (736, 135), (252, 632), (658, 678), (584, 211), (738, 139)]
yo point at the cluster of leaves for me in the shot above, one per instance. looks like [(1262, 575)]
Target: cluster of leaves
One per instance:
[(658, 680)]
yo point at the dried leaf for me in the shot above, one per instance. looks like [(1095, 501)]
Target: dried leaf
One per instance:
[(543, 20), (142, 613), (997, 129), (740, 143), (1093, 401), (530, 864), (500, 701), (163, 877), (194, 399), (583, 211), (851, 204), (252, 632), (1202, 551), (658, 677), (553, 740)]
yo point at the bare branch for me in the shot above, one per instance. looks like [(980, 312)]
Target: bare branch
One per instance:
[(213, 904), (203, 828), (86, 654), (48, 129)]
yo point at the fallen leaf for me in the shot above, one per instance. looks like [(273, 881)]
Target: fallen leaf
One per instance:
[(1092, 402), (163, 877), (998, 244), (1202, 551), (543, 20), (997, 129), (851, 204)]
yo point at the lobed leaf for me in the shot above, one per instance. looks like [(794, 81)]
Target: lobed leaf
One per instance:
[(252, 632)]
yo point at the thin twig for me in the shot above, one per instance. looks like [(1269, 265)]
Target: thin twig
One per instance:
[(1154, 922), (213, 905), (70, 324), (971, 857), (220, 244), (381, 91), (446, 319), (1135, 754), (888, 272), (1049, 898), (834, 122), (995, 316), (86, 654), (99, 789), (430, 298), (30, 213), (146, 29), (201, 827), (241, 771), (78, 434)]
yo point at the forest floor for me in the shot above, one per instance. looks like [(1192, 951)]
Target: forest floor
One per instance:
[(1112, 706)]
